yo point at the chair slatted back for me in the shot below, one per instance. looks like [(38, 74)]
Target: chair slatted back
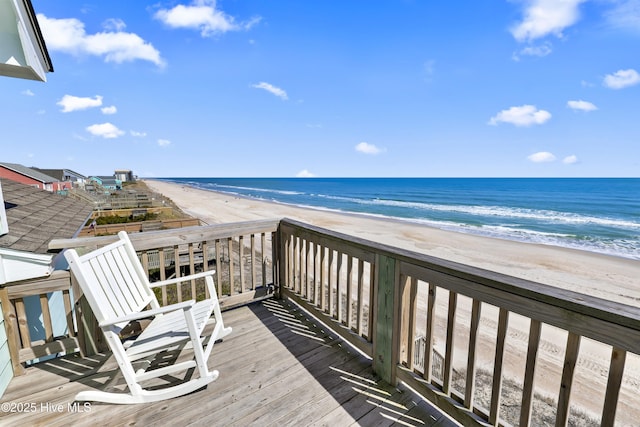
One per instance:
[(112, 279)]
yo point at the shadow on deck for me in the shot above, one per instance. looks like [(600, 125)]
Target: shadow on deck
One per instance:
[(278, 367)]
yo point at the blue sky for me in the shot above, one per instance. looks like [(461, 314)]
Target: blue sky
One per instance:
[(333, 89)]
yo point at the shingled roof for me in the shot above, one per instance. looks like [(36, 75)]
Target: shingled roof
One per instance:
[(31, 173), (36, 216)]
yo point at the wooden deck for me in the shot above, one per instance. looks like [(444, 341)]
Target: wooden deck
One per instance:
[(278, 367)]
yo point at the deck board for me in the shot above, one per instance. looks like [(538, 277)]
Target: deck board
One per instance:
[(278, 367)]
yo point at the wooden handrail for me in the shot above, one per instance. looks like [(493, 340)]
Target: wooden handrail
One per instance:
[(166, 238), (22, 347), (391, 297)]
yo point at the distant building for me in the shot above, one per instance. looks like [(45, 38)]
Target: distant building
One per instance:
[(107, 182), (124, 175), (32, 177), (65, 175)]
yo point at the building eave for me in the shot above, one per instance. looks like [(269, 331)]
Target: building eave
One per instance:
[(22, 49), (33, 19)]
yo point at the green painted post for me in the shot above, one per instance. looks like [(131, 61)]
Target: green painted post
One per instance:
[(383, 362)]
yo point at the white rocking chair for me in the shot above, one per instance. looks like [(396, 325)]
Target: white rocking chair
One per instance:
[(119, 292)]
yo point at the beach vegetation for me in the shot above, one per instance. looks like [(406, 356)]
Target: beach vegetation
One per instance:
[(116, 219)]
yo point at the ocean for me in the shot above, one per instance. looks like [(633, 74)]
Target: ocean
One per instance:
[(592, 214)]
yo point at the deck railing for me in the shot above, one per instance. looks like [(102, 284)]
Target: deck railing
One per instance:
[(427, 322), (25, 340), (240, 253), (383, 299), (137, 227)]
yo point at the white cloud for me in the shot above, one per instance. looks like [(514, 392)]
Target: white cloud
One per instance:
[(581, 105), (69, 36), (71, 103), (114, 24), (109, 110), (541, 157), (525, 115), (28, 93), (544, 17), (305, 174), (540, 51), (621, 79), (366, 148), (105, 130), (271, 89), (202, 15), (138, 134), (569, 160), (625, 14), (164, 142)]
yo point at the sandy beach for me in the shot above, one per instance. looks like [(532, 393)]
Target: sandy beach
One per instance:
[(607, 277)]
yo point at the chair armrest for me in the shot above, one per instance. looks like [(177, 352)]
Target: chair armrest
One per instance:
[(147, 313), (182, 279)]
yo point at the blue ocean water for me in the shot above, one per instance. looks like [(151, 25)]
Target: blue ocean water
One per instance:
[(593, 214)]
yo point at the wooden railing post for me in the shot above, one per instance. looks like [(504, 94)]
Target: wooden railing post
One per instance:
[(279, 260), (11, 328), (387, 316)]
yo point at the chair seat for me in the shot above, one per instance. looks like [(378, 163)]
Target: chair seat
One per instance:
[(170, 329)]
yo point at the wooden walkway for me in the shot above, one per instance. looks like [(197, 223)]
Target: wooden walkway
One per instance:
[(276, 368)]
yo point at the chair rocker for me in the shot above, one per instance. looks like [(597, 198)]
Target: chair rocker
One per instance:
[(119, 292)]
